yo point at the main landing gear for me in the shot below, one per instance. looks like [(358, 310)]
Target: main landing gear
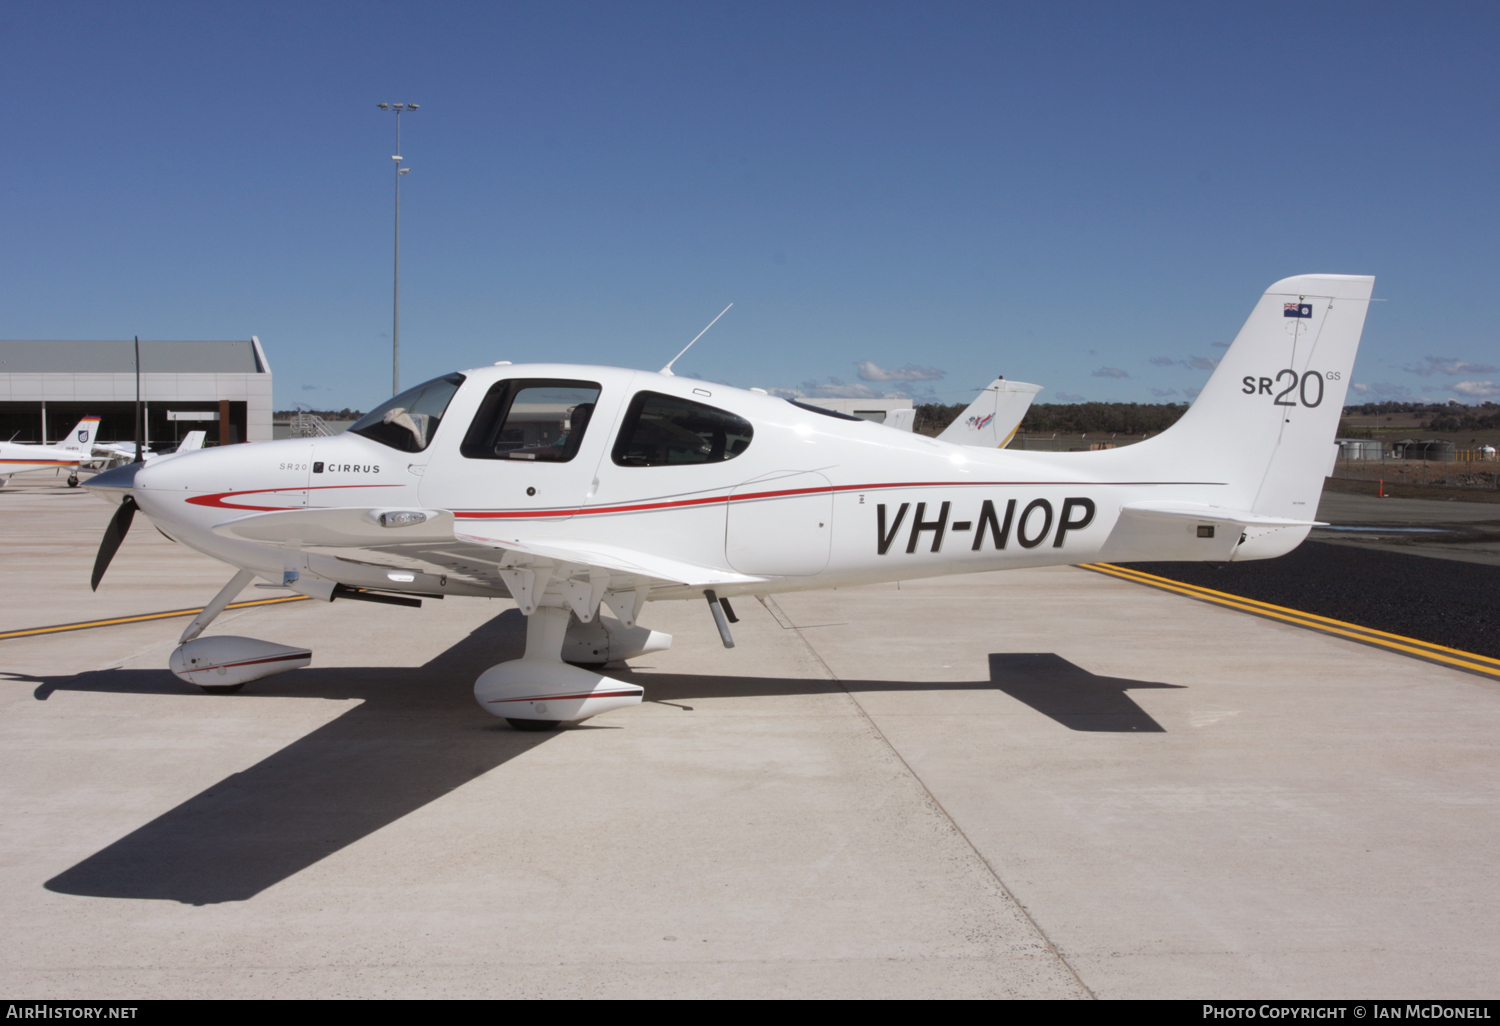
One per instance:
[(540, 691), (73, 480)]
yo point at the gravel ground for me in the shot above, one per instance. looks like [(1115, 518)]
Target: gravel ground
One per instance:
[(1436, 600)]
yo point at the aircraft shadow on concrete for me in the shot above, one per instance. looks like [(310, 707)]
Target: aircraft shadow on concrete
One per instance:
[(1048, 683), (417, 735)]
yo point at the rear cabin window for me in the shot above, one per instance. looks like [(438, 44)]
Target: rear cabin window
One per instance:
[(663, 430), (409, 421), (532, 420)]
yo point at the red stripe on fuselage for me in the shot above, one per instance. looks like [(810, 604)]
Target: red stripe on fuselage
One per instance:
[(539, 514), (217, 499)]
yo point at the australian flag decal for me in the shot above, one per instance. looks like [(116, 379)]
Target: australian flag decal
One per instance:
[(1297, 310)]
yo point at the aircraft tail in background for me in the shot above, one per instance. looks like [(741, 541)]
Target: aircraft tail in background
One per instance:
[(82, 437), (992, 420), (192, 440)]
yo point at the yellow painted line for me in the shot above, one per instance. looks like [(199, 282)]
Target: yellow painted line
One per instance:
[(1473, 662), (143, 617)]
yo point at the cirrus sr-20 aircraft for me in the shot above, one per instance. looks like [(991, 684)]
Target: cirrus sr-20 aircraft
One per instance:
[(586, 492)]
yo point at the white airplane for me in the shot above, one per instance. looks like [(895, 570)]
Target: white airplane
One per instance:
[(993, 419), (580, 489), (84, 439), (126, 450), (72, 450)]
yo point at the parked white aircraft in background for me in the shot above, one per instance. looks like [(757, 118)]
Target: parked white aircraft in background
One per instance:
[(993, 419), (80, 450), (580, 489), (73, 450), (126, 450)]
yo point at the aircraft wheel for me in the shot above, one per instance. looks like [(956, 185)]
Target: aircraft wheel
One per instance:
[(533, 724), (72, 480), (221, 689)]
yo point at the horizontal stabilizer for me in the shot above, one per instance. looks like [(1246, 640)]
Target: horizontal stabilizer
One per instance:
[(1201, 511)]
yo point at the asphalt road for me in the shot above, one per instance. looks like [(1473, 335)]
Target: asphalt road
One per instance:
[(1444, 601)]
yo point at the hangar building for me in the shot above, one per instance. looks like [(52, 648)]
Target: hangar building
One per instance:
[(223, 388)]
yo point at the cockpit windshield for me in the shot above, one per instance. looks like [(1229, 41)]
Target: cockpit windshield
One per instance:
[(409, 421)]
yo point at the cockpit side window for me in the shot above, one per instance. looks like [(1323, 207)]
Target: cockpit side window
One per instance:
[(409, 421), (663, 430), (538, 419)]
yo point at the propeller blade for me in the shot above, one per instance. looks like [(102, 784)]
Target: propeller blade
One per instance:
[(114, 534)]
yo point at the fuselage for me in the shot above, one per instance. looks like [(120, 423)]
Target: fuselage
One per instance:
[(19, 458), (811, 501)]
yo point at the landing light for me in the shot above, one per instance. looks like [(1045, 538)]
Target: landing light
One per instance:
[(404, 518), (402, 578)]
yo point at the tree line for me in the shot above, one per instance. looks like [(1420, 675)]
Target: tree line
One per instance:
[(1067, 418), (1439, 416), (1153, 418)]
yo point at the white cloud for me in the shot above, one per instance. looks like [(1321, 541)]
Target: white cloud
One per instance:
[(869, 370), (1068, 397), (1162, 392), (1109, 372), (1448, 365), (1192, 362), (1477, 389), (833, 388), (1221, 345), (1384, 389)]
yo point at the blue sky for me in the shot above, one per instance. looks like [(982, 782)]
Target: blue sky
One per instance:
[(896, 197)]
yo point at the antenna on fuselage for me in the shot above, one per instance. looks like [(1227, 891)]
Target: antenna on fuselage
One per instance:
[(667, 370)]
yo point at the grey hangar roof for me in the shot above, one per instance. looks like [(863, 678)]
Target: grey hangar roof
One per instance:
[(118, 357)]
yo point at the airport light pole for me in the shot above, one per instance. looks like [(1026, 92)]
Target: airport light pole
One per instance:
[(396, 285)]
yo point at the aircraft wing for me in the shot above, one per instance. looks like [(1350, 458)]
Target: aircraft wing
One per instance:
[(589, 571)]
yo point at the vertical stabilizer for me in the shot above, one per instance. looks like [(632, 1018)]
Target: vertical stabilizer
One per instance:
[(81, 438), (1265, 422), (992, 419)]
